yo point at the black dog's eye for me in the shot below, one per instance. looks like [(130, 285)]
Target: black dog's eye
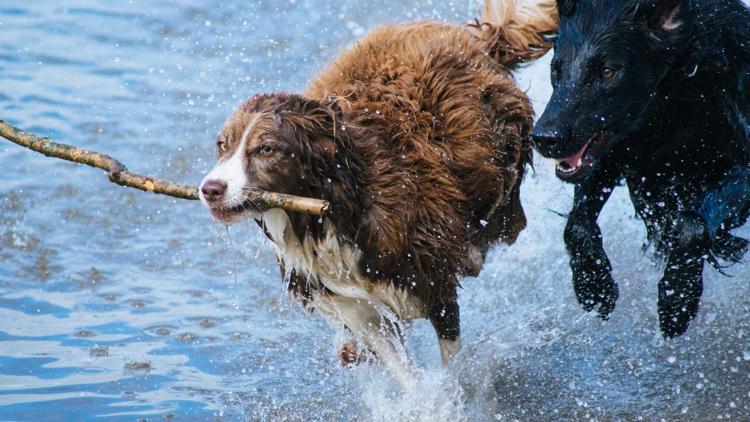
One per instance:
[(608, 73), (222, 146)]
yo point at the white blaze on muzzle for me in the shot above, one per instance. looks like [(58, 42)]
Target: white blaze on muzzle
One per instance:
[(232, 171)]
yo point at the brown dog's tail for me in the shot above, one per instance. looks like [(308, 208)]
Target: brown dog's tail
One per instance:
[(517, 31)]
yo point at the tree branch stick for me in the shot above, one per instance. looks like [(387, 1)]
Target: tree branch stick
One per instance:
[(120, 175)]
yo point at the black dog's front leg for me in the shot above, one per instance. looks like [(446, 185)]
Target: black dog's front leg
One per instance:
[(682, 285), (592, 273)]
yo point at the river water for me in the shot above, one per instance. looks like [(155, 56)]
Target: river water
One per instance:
[(121, 305)]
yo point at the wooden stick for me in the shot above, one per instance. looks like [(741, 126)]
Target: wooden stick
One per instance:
[(120, 175)]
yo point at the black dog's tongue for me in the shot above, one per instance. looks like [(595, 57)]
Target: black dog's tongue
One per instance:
[(576, 160)]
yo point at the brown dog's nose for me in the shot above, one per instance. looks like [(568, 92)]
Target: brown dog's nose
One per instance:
[(214, 189)]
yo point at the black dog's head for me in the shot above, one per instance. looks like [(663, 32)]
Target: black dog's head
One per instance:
[(611, 57)]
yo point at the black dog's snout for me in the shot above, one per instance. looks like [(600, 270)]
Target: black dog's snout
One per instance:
[(214, 189), (545, 140)]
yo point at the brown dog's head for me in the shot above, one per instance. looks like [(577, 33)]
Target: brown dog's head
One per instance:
[(279, 143)]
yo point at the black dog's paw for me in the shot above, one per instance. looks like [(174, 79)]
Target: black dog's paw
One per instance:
[(679, 298), (674, 317), (596, 288), (673, 322)]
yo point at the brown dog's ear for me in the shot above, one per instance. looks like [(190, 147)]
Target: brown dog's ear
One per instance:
[(310, 126), (662, 15)]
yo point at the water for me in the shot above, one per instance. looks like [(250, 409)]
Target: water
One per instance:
[(122, 305)]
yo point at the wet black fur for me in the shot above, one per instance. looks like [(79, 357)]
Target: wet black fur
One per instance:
[(672, 122)]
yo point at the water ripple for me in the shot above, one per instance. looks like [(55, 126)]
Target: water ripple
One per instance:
[(121, 304)]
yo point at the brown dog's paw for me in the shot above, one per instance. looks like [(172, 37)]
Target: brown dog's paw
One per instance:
[(349, 354)]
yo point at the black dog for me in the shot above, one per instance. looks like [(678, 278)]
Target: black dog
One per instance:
[(653, 91)]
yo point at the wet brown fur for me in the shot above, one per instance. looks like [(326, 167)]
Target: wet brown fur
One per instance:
[(418, 138)]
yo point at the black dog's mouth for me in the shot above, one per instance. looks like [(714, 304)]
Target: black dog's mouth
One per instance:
[(580, 163)]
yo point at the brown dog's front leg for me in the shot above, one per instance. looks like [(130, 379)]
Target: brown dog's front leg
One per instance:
[(445, 319)]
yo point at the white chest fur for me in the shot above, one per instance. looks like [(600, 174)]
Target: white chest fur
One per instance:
[(335, 265)]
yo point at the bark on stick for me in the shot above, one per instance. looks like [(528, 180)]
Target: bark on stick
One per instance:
[(120, 175)]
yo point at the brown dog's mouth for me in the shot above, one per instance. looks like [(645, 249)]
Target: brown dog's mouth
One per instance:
[(231, 214), (582, 161)]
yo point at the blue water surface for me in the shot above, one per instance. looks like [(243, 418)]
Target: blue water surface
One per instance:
[(117, 304)]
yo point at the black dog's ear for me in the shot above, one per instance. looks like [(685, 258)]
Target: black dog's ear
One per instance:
[(566, 7), (661, 15)]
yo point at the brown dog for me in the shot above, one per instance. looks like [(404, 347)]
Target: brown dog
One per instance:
[(417, 137)]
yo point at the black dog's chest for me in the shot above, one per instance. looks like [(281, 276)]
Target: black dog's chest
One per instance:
[(659, 196), (675, 176)]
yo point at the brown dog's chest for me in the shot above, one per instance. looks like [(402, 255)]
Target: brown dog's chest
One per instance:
[(332, 269)]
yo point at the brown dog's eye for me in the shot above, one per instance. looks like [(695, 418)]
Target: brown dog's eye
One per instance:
[(265, 150), (608, 73), (222, 146)]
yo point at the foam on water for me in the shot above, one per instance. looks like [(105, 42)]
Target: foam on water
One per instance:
[(433, 394), (121, 304)]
